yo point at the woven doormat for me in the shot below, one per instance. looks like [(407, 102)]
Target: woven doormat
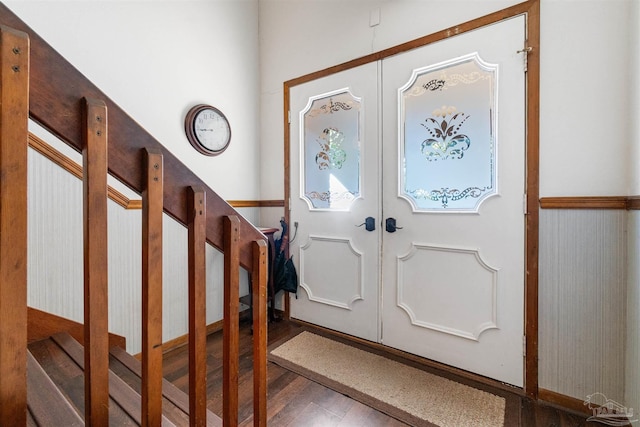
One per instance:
[(401, 391)]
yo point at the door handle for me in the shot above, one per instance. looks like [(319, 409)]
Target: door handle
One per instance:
[(390, 225), (369, 223)]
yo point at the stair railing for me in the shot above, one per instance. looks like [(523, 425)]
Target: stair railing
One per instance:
[(37, 83)]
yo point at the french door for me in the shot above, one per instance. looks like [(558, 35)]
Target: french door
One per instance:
[(430, 144), (335, 180)]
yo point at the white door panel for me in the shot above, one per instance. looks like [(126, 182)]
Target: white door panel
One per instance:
[(454, 275), (338, 262)]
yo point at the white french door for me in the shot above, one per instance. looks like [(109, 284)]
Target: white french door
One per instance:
[(436, 155), (334, 188)]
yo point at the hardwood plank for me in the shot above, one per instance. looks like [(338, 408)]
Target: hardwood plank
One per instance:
[(127, 398), (96, 307), (259, 298), (152, 197), (197, 308), (170, 392), (47, 404), (313, 411), (14, 100), (360, 415), (68, 376), (231, 320)]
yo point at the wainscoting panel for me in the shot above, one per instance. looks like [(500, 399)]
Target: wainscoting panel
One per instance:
[(55, 263), (632, 355), (125, 274), (582, 296), (55, 259)]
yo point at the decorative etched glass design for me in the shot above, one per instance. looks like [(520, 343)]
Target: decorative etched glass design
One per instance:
[(447, 135), (330, 140)]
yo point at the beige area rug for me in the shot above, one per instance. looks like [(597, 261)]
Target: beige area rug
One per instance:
[(401, 391)]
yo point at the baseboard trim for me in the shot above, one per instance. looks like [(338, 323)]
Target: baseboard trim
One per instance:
[(42, 324), (563, 401), (184, 339)]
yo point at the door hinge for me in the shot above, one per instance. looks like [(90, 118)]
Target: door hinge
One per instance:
[(524, 204), (524, 345), (525, 58), (289, 116)]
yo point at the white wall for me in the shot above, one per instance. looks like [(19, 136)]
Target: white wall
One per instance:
[(156, 59), (584, 97), (634, 97), (585, 76), (632, 349)]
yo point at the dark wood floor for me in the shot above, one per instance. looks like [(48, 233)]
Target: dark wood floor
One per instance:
[(296, 401)]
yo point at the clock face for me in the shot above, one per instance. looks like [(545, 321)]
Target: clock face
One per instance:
[(207, 130)]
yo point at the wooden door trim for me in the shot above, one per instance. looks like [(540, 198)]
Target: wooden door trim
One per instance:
[(591, 202), (531, 10)]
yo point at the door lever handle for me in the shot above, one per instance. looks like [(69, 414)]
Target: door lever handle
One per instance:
[(390, 225), (369, 223)]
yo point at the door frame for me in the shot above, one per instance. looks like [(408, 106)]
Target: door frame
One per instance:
[(531, 10)]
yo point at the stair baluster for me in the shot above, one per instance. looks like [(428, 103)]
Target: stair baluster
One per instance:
[(14, 100), (259, 297), (231, 326), (197, 308), (152, 202), (96, 306)]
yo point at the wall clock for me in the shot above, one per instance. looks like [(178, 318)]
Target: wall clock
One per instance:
[(207, 129)]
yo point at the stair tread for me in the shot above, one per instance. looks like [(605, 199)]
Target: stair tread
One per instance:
[(128, 399), (49, 405), (170, 392), (60, 359), (69, 379)]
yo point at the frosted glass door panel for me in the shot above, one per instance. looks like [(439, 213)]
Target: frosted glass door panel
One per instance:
[(331, 157), (448, 140)]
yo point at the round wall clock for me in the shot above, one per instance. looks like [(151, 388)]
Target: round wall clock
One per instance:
[(207, 129)]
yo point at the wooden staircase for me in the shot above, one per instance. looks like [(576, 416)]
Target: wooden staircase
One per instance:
[(55, 387), (37, 83)]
